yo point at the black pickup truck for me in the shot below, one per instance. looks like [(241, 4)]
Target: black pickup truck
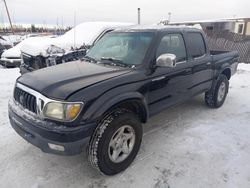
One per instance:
[(103, 100)]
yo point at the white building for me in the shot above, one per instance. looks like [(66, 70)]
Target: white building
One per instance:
[(236, 25)]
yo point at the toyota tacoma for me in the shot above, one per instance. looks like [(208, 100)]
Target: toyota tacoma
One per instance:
[(100, 103)]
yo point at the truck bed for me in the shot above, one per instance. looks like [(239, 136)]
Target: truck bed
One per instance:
[(219, 58), (219, 55)]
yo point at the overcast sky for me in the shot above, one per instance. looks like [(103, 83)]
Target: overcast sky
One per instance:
[(152, 11)]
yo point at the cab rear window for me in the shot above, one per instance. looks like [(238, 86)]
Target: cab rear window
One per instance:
[(196, 44)]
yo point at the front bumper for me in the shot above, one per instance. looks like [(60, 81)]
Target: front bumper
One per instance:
[(71, 140), (10, 62)]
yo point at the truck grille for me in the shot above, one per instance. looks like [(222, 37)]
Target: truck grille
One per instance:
[(28, 60), (25, 99), (37, 62)]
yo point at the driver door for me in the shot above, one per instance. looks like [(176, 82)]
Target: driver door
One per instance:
[(169, 86)]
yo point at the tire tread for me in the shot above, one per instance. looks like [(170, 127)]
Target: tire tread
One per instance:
[(211, 95), (93, 146)]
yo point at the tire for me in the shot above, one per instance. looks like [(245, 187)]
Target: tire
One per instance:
[(215, 98), (101, 152)]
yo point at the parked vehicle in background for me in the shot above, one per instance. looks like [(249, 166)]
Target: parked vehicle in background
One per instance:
[(12, 57), (10, 40), (4, 44), (102, 101), (31, 35), (68, 47)]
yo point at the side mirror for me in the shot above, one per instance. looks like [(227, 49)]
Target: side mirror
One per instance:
[(166, 60)]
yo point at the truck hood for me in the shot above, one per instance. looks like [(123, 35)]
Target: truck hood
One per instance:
[(12, 53), (15, 51), (58, 82), (39, 48)]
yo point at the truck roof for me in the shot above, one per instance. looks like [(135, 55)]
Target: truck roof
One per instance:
[(159, 28)]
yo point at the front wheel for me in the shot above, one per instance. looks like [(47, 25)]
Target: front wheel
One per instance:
[(217, 95), (116, 142)]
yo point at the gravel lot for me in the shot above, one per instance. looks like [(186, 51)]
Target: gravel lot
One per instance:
[(186, 146)]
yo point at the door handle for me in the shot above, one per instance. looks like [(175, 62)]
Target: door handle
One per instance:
[(159, 78), (188, 70), (208, 63)]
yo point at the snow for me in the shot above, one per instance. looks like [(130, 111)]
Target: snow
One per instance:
[(84, 33), (10, 39), (87, 32), (16, 50), (188, 146), (13, 52)]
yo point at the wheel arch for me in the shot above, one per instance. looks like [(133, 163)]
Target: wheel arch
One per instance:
[(225, 69), (226, 72), (132, 101)]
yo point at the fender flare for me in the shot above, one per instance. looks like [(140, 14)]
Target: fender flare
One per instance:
[(100, 110), (222, 69)]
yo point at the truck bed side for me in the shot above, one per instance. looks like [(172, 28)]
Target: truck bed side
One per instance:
[(223, 60)]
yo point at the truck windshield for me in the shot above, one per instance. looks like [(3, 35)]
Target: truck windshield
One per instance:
[(128, 48)]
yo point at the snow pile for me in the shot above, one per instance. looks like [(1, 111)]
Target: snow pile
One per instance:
[(244, 67), (16, 50), (10, 39)]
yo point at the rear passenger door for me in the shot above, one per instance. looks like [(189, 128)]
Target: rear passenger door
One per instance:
[(169, 86), (200, 62)]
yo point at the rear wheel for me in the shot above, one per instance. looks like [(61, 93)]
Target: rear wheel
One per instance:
[(217, 95), (116, 142)]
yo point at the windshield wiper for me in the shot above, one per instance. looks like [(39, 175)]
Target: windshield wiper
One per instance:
[(113, 61), (90, 59)]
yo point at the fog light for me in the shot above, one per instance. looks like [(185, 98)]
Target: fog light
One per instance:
[(56, 147)]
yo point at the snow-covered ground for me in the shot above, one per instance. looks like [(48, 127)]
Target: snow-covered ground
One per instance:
[(186, 146)]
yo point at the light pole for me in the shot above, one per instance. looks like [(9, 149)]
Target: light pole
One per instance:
[(169, 17), (7, 10), (139, 16)]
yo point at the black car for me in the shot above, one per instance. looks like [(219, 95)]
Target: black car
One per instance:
[(103, 101)]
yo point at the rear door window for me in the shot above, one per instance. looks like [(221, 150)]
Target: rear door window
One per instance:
[(196, 44), (172, 44)]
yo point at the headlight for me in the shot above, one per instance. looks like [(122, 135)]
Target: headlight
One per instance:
[(62, 111), (52, 50)]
